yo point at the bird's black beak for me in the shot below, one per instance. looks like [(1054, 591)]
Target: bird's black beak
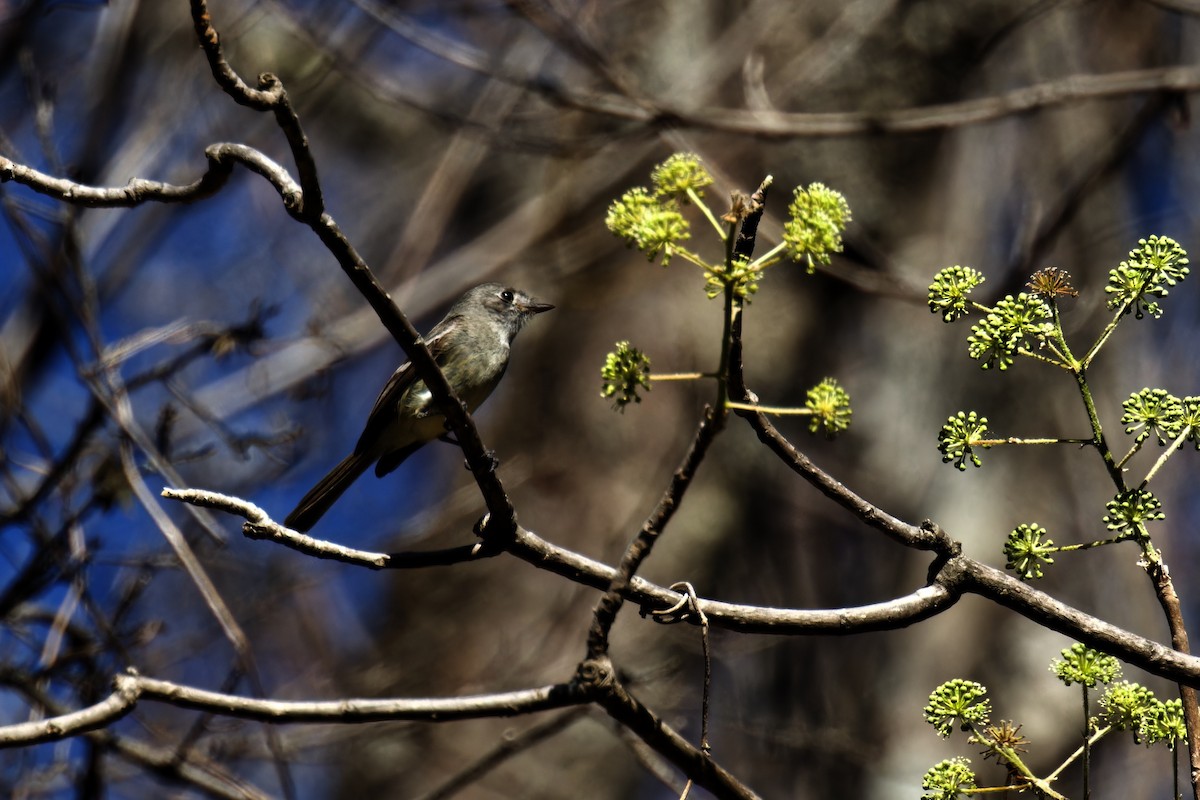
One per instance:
[(534, 307)]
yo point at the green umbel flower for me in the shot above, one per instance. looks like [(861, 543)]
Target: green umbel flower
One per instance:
[(1083, 665), (948, 780), (950, 292), (1152, 411), (957, 702), (679, 173), (830, 407), (1132, 508), (1126, 704), (624, 372), (1027, 549), (960, 437), (1138, 283), (817, 216), (1017, 323), (651, 226)]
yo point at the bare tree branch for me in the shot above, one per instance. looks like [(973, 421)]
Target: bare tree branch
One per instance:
[(598, 679), (135, 192), (193, 770), (131, 689), (952, 576)]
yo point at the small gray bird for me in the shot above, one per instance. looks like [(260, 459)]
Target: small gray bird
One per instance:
[(471, 346)]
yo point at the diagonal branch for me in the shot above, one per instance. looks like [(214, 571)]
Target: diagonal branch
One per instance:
[(508, 747), (501, 517), (919, 537), (305, 205), (599, 679), (608, 607)]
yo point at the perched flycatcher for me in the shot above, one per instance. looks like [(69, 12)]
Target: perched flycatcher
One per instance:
[(471, 346)]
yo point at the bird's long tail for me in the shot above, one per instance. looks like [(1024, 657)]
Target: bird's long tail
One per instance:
[(319, 498)]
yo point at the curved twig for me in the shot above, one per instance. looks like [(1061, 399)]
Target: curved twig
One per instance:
[(269, 96)]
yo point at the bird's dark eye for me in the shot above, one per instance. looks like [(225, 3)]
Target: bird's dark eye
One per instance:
[(507, 296)]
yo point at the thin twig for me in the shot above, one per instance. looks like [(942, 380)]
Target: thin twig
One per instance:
[(676, 613), (205, 775), (508, 748), (260, 526)]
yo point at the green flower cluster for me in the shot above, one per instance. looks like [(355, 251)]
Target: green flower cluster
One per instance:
[(829, 404), (1132, 508), (948, 780), (1013, 325), (1027, 549), (959, 438), (647, 223), (1152, 411), (624, 371), (678, 175), (1138, 283), (1125, 704), (950, 292), (743, 276), (1189, 418), (651, 220), (1132, 707), (1163, 722), (1083, 665), (957, 702), (817, 216), (1158, 412)]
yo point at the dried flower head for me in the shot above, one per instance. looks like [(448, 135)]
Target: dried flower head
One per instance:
[(1051, 282)]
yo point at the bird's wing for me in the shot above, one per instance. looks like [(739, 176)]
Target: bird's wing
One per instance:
[(384, 412)]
